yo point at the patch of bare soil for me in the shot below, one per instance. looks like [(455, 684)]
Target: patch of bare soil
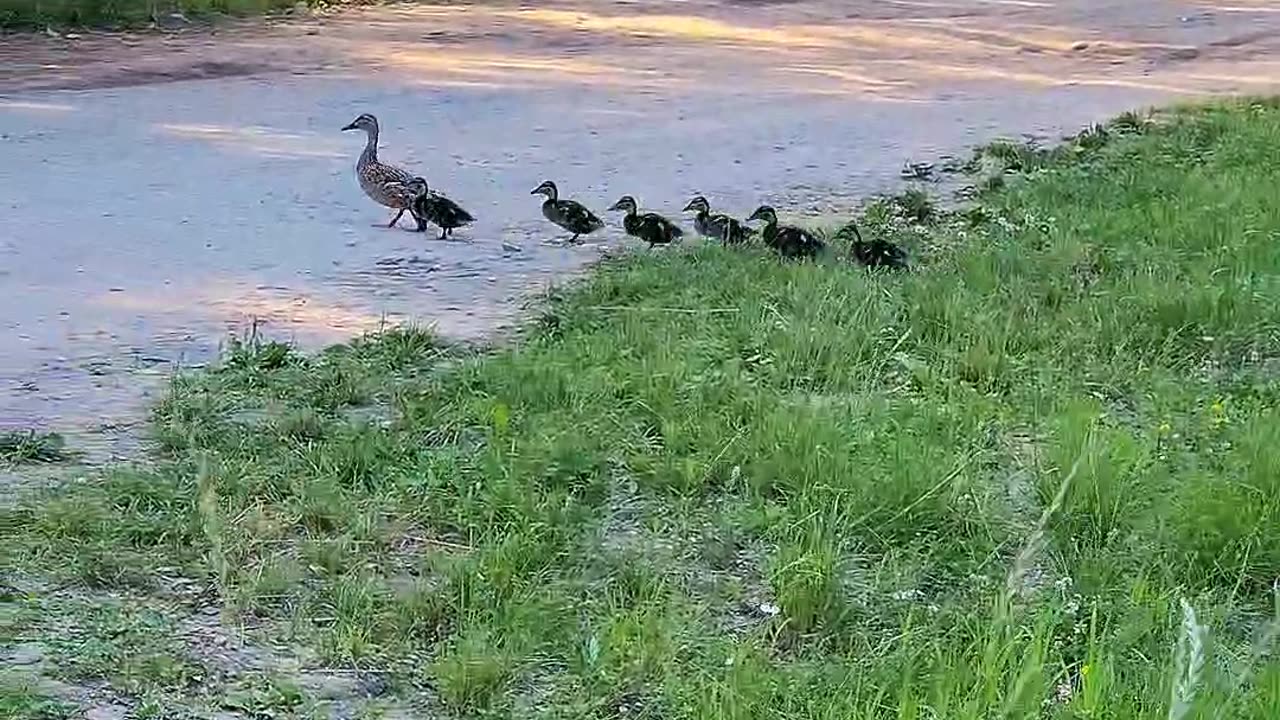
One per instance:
[(930, 39)]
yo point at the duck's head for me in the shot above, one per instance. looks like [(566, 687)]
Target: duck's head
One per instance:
[(765, 213), (626, 203), (547, 188), (417, 186), (698, 204), (365, 122)]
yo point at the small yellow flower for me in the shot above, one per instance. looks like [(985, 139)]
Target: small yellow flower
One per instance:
[(1218, 411), (1165, 428), (1085, 670)]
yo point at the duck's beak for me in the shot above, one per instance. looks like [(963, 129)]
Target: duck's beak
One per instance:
[(615, 206), (536, 191), (350, 126), (688, 207)]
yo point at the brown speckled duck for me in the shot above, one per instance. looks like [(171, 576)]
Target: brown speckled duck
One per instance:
[(385, 184)]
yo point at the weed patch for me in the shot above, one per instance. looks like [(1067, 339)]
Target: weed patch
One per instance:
[(19, 447)]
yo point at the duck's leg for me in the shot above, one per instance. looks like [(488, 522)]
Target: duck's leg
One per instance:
[(444, 234), (395, 219), (574, 239)]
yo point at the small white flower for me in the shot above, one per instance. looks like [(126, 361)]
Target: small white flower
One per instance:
[(769, 609), (1063, 692)]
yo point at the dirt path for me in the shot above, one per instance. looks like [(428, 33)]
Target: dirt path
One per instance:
[(161, 190)]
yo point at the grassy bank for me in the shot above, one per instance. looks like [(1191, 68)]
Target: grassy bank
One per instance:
[(1034, 478), (28, 14)]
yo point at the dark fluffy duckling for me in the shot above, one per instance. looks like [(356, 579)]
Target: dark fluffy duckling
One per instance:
[(718, 226), (649, 227), (876, 253), (568, 214), (788, 240), (429, 207)]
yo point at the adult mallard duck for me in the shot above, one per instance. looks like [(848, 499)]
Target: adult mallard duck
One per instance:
[(876, 253), (568, 214), (788, 240), (385, 184), (430, 207), (649, 227), (718, 226)]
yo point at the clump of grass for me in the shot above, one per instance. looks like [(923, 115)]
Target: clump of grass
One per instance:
[(254, 353), (911, 206), (918, 171), (22, 700), (473, 675), (19, 447), (916, 206), (27, 14)]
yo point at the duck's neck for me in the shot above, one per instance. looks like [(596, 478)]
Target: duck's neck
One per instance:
[(370, 153), (770, 230), (552, 194)]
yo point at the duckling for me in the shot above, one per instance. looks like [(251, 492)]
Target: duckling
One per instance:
[(878, 252), (649, 227), (788, 240), (435, 208), (385, 184), (728, 230), (568, 214)]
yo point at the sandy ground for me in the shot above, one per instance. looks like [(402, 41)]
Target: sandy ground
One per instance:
[(161, 190)]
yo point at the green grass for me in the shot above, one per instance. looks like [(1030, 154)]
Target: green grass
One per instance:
[(19, 447), (26, 14), (1034, 478), (20, 701)]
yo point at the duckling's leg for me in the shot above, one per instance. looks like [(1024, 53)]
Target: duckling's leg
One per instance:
[(395, 219)]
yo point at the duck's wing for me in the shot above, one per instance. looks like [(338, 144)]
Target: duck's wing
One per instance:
[(799, 241), (383, 173), (731, 229), (893, 255), (456, 213), (576, 215), (669, 228), (397, 185)]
